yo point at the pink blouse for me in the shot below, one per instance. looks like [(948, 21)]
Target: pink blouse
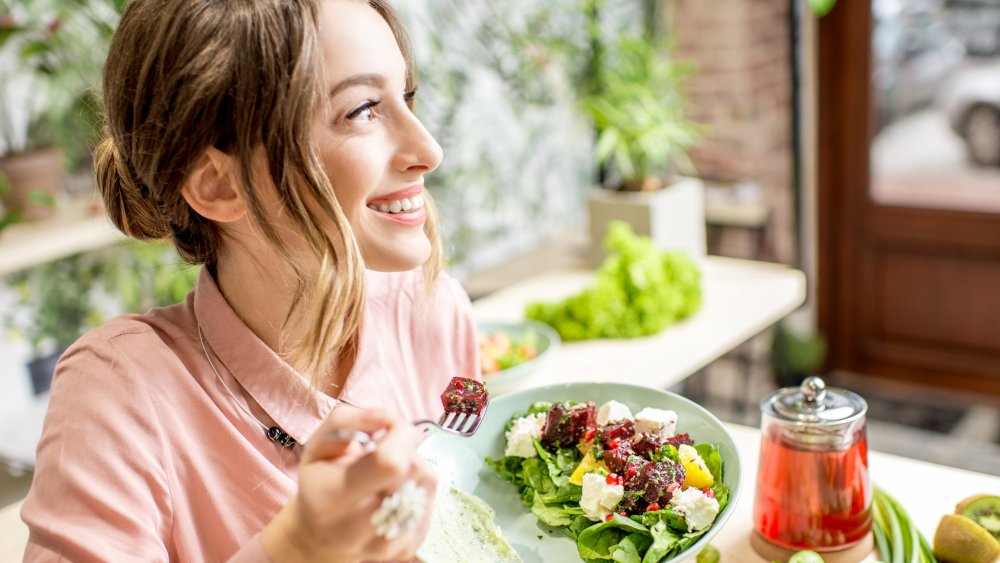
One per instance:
[(145, 456)]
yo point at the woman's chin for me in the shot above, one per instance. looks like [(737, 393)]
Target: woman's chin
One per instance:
[(397, 258)]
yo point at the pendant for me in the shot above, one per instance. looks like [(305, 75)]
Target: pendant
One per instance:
[(278, 435)]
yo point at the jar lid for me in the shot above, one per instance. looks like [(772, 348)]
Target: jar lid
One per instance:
[(814, 403)]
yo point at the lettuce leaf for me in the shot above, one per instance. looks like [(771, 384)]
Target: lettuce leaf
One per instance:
[(597, 541)]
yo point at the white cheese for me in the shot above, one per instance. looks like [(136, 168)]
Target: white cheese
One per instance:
[(699, 509), (599, 498), (656, 421), (613, 411), (521, 435)]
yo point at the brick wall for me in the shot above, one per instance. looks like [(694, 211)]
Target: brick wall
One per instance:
[(742, 92)]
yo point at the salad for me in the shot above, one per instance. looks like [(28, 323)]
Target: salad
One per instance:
[(499, 351), (625, 486)]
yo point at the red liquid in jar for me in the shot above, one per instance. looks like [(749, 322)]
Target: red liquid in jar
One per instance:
[(817, 500)]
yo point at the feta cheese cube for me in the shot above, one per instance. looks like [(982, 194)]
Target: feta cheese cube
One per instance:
[(599, 498), (522, 433), (613, 411), (699, 509), (659, 422)]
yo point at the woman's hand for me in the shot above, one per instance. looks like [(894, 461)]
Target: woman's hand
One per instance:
[(341, 484)]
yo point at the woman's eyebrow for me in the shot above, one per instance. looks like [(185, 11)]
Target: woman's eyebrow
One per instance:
[(369, 79)]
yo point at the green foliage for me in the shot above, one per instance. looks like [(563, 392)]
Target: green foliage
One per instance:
[(50, 97), (8, 217), (146, 275), (638, 112), (638, 290), (55, 303), (795, 355)]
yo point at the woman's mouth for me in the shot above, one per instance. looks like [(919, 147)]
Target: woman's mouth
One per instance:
[(405, 207), (396, 206)]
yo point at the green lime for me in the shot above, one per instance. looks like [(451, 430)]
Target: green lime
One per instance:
[(806, 556), (708, 555)]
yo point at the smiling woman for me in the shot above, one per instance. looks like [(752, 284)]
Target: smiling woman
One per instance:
[(274, 142)]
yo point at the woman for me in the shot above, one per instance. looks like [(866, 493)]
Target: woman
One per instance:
[(274, 142)]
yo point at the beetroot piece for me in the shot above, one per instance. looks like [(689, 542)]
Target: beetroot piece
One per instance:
[(654, 478), (677, 439), (464, 395), (647, 445), (620, 431), (618, 459), (566, 425)]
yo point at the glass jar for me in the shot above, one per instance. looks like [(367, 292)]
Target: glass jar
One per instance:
[(813, 489)]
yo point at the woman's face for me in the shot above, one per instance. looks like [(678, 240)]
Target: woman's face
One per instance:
[(375, 151)]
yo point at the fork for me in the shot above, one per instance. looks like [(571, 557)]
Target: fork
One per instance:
[(459, 423), (462, 423)]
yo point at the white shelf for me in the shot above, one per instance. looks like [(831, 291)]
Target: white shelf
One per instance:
[(76, 227)]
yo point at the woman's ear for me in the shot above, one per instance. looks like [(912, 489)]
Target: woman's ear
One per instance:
[(212, 189)]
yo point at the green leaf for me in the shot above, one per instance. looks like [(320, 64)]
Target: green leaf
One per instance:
[(597, 541), (41, 198)]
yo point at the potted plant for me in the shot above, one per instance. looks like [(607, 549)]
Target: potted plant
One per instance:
[(637, 108), (51, 54), (796, 353), (54, 307)]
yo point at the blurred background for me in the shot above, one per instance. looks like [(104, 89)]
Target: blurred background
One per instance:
[(857, 141)]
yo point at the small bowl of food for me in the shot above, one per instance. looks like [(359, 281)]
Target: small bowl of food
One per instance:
[(510, 352)]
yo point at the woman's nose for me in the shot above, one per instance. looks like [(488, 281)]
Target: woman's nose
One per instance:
[(416, 148)]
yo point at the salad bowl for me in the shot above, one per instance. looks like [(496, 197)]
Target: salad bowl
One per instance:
[(462, 462), (543, 341)]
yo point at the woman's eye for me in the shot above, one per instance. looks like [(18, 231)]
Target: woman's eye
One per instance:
[(365, 112)]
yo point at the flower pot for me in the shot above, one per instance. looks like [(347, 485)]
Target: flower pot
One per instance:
[(674, 216), (41, 371), (34, 181)]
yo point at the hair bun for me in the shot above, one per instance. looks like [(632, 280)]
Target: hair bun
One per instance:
[(128, 202)]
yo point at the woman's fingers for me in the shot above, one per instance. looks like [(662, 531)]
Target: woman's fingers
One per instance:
[(404, 546), (388, 464), (331, 439)]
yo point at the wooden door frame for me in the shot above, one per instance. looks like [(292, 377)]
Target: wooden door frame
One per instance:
[(843, 68), (847, 217)]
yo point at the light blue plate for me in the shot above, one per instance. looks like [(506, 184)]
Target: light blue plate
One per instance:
[(535, 542), (546, 341)]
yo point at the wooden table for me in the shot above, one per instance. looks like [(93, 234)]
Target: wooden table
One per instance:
[(740, 299)]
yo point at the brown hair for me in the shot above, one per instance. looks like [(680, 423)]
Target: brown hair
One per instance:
[(242, 76)]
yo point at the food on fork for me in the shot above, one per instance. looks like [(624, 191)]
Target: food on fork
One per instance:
[(464, 395)]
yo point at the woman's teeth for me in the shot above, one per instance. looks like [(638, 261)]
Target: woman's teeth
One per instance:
[(399, 205)]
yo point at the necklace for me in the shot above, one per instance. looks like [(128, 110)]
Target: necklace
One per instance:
[(273, 433)]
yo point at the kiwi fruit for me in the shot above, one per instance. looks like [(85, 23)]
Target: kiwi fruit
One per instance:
[(960, 540), (983, 510)]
